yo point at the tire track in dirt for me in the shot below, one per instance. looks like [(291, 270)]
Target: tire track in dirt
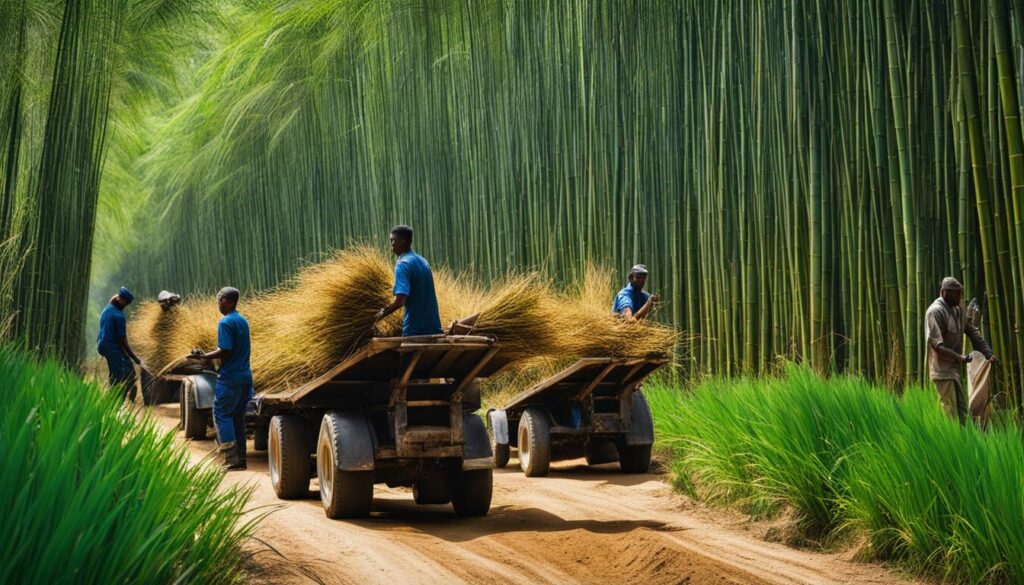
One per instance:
[(580, 525)]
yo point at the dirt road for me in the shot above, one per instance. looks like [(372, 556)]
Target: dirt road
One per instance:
[(580, 525)]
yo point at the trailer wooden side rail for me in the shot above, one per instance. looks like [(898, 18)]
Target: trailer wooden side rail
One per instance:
[(592, 408)]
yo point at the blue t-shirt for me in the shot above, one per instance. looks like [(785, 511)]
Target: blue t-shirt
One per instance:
[(630, 298), (414, 279), (112, 331), (233, 335)]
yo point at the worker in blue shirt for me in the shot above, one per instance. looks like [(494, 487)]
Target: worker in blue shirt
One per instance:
[(632, 303), (414, 288), (112, 344), (234, 379)]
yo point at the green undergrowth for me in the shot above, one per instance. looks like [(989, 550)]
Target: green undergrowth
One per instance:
[(90, 494), (851, 459)]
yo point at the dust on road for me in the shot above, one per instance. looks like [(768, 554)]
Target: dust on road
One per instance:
[(579, 525)]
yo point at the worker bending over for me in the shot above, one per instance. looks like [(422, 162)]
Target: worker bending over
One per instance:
[(414, 288), (234, 379), (112, 344), (632, 303), (945, 326)]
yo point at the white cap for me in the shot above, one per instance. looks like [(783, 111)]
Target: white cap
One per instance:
[(167, 296)]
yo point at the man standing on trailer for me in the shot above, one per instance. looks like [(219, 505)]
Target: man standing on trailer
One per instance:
[(234, 379), (945, 326), (112, 344), (414, 288), (632, 303)]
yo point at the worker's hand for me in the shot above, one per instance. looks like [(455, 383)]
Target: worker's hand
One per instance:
[(197, 354), (655, 300), (965, 359), (379, 315)]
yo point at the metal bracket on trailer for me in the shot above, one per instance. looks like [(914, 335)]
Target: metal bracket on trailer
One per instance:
[(499, 426), (641, 425), (358, 442), (476, 448), (204, 390)]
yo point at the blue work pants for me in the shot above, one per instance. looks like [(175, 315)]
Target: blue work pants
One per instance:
[(229, 403)]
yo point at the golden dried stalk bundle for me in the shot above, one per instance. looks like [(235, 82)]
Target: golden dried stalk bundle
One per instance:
[(523, 314), (591, 330), (160, 337), (458, 295), (318, 318)]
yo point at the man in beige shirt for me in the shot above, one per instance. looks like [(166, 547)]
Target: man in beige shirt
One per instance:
[(945, 326)]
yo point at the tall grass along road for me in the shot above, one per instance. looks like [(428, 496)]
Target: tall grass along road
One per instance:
[(90, 494), (851, 459)]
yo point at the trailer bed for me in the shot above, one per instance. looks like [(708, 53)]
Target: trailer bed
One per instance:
[(367, 376), (601, 377)]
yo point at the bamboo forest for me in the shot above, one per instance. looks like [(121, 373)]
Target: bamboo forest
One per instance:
[(794, 179)]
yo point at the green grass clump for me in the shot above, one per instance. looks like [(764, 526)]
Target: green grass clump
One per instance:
[(90, 494), (850, 458)]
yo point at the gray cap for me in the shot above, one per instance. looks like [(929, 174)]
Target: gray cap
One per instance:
[(950, 283), (638, 269)]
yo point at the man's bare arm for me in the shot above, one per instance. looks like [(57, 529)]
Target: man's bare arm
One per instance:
[(396, 304), (647, 308), (217, 354)]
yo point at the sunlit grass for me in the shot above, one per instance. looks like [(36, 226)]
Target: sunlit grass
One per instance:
[(90, 494), (852, 458)]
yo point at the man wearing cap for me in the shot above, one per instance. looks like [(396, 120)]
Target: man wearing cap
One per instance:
[(167, 299), (945, 325), (632, 302), (234, 379), (112, 344), (414, 288)]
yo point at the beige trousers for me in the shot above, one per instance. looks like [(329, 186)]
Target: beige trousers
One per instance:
[(951, 394)]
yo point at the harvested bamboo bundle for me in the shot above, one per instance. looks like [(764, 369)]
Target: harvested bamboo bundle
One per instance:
[(590, 329), (524, 315), (298, 331), (326, 311), (319, 317), (160, 337)]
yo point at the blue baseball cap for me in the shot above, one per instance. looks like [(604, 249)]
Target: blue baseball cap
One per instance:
[(126, 294)]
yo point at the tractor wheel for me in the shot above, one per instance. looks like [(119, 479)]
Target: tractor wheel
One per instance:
[(535, 443), (471, 492), (345, 494), (288, 456)]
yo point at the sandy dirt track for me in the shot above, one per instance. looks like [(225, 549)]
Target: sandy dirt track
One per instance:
[(579, 525)]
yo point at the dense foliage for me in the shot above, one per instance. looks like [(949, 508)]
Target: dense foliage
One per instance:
[(91, 495), (799, 174), (846, 457)]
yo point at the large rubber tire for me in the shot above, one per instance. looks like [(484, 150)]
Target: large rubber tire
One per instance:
[(600, 450), (344, 494), (436, 489), (148, 384), (502, 453), (194, 421), (634, 458), (535, 443), (260, 438), (471, 492), (288, 457)]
